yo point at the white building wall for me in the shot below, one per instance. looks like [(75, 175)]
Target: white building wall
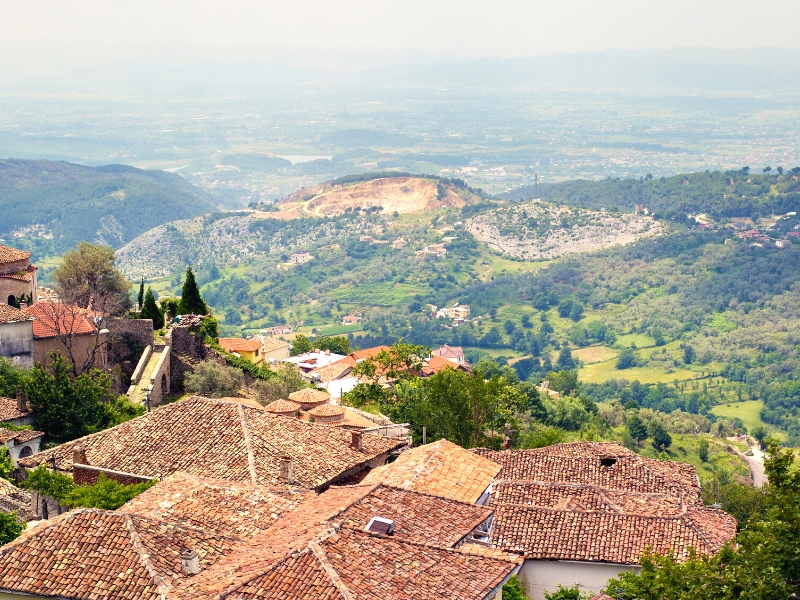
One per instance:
[(539, 576), (16, 343)]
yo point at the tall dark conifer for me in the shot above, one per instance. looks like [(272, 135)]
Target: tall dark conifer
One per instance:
[(141, 294), (151, 311), (191, 302)]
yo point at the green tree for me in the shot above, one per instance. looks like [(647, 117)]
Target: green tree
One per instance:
[(287, 379), (564, 382), (626, 359), (140, 297), (6, 465), (106, 493), (191, 302), (48, 483), (513, 590), (661, 439), (70, 407), (565, 361), (760, 433), (301, 344), (462, 407), (688, 354), (150, 310), (338, 344), (88, 277), (213, 380), (10, 527), (637, 428), (169, 306), (401, 361), (702, 450), (567, 593)]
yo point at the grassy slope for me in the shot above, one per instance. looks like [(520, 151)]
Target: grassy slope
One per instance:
[(749, 413)]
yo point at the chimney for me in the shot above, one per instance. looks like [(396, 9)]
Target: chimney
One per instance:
[(79, 455), (22, 402), (356, 440), (287, 467), (23, 305), (190, 562)]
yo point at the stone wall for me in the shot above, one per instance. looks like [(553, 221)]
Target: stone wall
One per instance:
[(88, 475), (16, 343), (127, 340)]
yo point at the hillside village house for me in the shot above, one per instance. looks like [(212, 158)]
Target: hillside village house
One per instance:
[(577, 513), (454, 354), (16, 336), (351, 320), (249, 350), (299, 258), (19, 443), (17, 277), (313, 360), (191, 537), (55, 323), (277, 330)]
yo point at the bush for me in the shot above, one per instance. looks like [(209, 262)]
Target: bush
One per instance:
[(513, 589), (214, 380), (626, 359), (48, 483), (544, 436), (567, 593), (10, 527), (287, 379), (106, 494), (702, 450)]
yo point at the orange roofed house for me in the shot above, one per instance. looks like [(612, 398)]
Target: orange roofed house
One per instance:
[(192, 538), (579, 512), (249, 350)]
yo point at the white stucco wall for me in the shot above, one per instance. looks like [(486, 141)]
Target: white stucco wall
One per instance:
[(14, 449), (539, 576), (16, 343)]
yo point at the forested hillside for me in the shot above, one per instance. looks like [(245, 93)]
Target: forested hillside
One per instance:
[(720, 194), (54, 205)]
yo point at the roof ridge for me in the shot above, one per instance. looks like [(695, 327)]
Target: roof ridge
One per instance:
[(330, 571), (162, 584), (583, 485), (430, 495), (595, 512), (701, 533), (251, 459)]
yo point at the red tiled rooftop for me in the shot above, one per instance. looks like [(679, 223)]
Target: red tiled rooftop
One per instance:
[(9, 410), (220, 439), (53, 319), (327, 410), (309, 397), (239, 345), (9, 314), (282, 407), (10, 255)]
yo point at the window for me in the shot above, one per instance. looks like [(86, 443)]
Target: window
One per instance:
[(608, 461), (12, 300), (26, 451)]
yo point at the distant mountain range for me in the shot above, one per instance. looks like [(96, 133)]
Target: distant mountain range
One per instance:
[(113, 204)]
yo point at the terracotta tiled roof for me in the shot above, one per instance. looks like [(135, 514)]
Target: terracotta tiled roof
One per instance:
[(20, 437), (600, 502), (449, 352), (282, 407), (368, 352), (9, 314), (90, 553), (24, 275), (224, 508), (239, 345), (353, 419), (441, 469), (309, 397), (9, 410), (417, 517), (9, 255), (271, 344), (13, 499), (580, 462), (52, 319), (437, 363), (609, 536), (327, 410), (337, 370), (226, 440)]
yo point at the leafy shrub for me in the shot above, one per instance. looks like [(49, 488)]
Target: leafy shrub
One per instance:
[(105, 493), (214, 380)]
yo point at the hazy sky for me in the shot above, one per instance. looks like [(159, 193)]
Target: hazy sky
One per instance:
[(450, 27)]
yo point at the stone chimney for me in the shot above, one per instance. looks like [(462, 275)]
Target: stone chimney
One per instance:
[(23, 305), (22, 402), (356, 438), (190, 562), (287, 468), (79, 455)]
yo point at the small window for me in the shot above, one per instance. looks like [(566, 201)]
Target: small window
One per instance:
[(12, 300), (608, 461), (26, 451), (380, 525)]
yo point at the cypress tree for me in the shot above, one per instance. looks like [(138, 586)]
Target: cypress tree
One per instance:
[(141, 294), (191, 302), (151, 311)]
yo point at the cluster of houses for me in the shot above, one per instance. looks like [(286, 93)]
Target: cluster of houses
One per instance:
[(33, 322), (256, 503), (756, 236), (458, 312)]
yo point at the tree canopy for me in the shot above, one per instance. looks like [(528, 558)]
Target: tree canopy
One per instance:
[(191, 302), (88, 278)]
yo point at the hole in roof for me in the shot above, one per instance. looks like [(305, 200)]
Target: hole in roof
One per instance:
[(608, 461)]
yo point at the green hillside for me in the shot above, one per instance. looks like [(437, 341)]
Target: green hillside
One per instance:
[(57, 204)]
